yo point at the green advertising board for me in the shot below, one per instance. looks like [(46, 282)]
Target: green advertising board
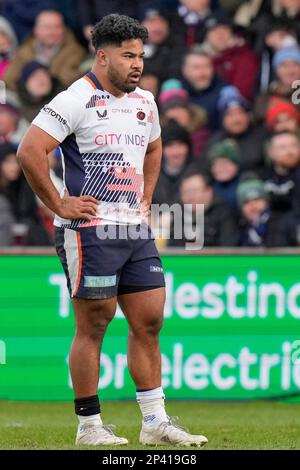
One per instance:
[(231, 330)]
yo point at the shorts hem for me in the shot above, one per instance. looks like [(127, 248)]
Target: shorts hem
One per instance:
[(122, 290), (94, 296)]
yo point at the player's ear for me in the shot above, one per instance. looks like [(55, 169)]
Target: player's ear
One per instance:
[(101, 57)]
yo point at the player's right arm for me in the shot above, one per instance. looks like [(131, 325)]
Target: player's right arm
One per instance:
[(33, 157)]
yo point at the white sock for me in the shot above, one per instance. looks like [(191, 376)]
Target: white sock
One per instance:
[(92, 419), (152, 405)]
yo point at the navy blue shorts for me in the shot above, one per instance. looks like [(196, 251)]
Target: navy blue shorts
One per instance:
[(98, 266)]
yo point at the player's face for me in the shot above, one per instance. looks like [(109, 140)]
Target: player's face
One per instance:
[(125, 65)]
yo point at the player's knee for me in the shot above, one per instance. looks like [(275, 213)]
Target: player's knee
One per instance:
[(94, 327), (98, 328), (148, 327)]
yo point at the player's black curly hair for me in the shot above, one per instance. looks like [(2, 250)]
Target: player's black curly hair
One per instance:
[(114, 29)]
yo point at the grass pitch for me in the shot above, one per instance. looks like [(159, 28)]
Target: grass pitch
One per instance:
[(228, 425)]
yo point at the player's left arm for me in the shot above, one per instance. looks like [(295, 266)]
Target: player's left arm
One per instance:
[(152, 164)]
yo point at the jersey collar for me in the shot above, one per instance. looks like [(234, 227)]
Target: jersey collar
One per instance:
[(93, 80)]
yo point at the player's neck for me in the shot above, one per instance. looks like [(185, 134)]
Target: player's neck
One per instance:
[(106, 83)]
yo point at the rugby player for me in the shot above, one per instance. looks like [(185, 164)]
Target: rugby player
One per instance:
[(109, 135)]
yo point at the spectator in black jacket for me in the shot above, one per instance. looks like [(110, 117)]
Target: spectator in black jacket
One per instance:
[(282, 177), (36, 88), (163, 49), (177, 161), (7, 221), (267, 12), (22, 201), (259, 225), (218, 228)]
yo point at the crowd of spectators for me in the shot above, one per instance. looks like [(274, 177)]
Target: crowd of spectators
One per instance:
[(226, 77)]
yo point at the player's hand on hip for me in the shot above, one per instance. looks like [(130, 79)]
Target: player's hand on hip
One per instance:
[(82, 207), (145, 209)]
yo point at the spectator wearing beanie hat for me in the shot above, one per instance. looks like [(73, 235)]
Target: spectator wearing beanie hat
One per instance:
[(286, 65), (225, 158), (282, 116), (174, 132), (172, 89), (286, 54), (231, 97), (35, 88), (175, 104), (277, 34), (259, 225), (30, 68), (177, 160), (251, 189), (237, 124)]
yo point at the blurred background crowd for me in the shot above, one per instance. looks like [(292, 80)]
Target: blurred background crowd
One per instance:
[(226, 77)]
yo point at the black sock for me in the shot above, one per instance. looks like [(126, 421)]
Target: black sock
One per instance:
[(87, 406)]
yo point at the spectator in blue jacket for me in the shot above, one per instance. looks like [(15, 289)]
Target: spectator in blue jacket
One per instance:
[(202, 84)]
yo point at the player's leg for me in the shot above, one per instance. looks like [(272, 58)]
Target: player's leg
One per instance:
[(143, 307), (144, 313), (91, 272), (92, 316), (141, 295)]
